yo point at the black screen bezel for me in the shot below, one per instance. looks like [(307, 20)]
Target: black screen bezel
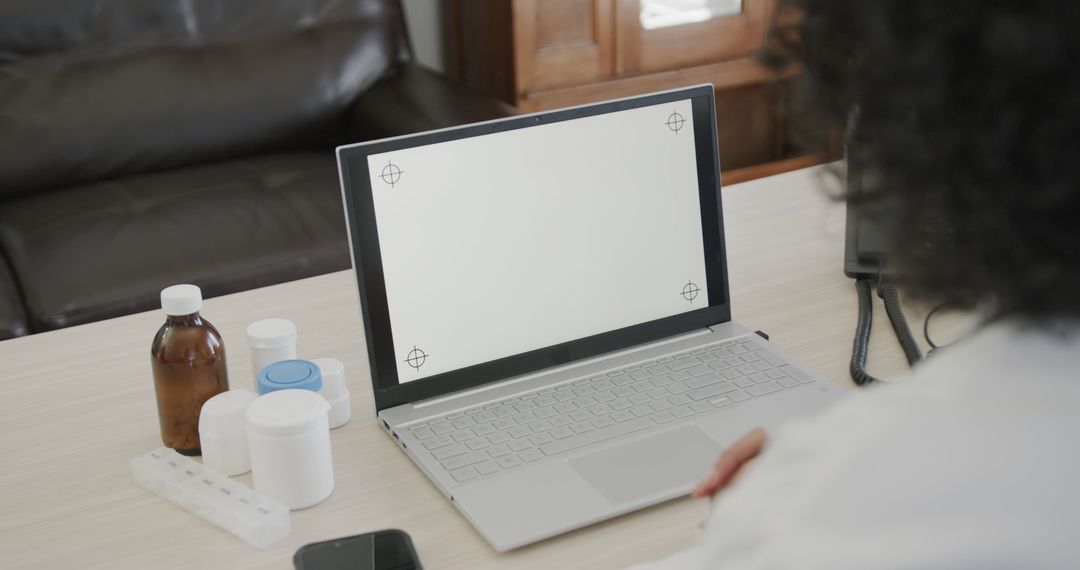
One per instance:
[(367, 260)]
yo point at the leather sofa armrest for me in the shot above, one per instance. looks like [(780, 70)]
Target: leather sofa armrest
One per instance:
[(13, 321), (414, 99)]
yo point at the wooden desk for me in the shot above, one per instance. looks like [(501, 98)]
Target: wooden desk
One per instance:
[(78, 404)]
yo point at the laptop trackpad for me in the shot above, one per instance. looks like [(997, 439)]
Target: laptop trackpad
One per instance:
[(674, 459)]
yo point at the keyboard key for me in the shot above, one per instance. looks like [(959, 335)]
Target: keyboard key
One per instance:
[(508, 461), (738, 396), (762, 389), (581, 427), (564, 396), (585, 402), (504, 423), (484, 417), (623, 391), (701, 406), (603, 384), (546, 401), (699, 370), (746, 369), (438, 441), (731, 374), (678, 388), (601, 422), (527, 396), (423, 433), (463, 434), (580, 415), (505, 411), (464, 474), (658, 393), (464, 422), (619, 404), (679, 399), (642, 385), (561, 432), (541, 438), (622, 416), (542, 425), (546, 391), (661, 405), (762, 365), (788, 382), (681, 411), (744, 382), (455, 415), (595, 436), (774, 373), (565, 407), (721, 402), (662, 381), (478, 443), (559, 421), (484, 429), (498, 450), (641, 410), (621, 379), (733, 361), (544, 413), (487, 468), (531, 455), (441, 428), (470, 458), (712, 390), (499, 437), (526, 406), (679, 376), (525, 418), (641, 375), (738, 349), (519, 444), (580, 382), (750, 358), (519, 431), (700, 381), (584, 390), (604, 396), (718, 365), (640, 398), (601, 409), (707, 358), (682, 362), (648, 365), (662, 417)]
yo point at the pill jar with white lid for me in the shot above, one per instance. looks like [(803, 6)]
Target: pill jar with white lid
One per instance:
[(223, 432), (270, 341), (289, 441)]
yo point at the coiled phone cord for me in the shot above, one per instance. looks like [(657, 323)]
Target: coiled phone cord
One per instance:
[(861, 344)]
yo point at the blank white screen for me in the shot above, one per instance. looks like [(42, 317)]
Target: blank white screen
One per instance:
[(500, 244)]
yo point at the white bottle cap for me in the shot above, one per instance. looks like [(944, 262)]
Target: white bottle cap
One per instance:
[(223, 432), (287, 413), (335, 390), (271, 333), (180, 300)]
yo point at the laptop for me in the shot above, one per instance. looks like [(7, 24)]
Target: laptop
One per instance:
[(547, 314)]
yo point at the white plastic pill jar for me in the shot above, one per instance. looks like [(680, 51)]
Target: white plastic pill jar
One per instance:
[(270, 341), (289, 441)]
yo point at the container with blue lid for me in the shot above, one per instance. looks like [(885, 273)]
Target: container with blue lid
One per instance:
[(290, 375)]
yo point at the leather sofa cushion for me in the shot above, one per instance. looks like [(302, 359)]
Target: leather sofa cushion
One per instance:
[(12, 316), (106, 249), (115, 108)]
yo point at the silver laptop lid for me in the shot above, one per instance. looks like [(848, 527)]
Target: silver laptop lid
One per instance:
[(497, 249)]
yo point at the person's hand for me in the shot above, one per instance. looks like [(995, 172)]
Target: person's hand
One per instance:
[(730, 463)]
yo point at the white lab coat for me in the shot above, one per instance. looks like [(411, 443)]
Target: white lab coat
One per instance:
[(973, 462)]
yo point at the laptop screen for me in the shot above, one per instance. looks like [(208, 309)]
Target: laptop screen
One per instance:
[(515, 241)]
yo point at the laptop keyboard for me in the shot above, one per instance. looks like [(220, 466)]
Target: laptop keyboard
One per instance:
[(488, 439)]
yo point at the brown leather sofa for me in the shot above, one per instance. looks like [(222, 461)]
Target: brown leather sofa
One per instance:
[(145, 143)]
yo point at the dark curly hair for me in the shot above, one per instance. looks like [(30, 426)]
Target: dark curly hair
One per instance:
[(966, 116)]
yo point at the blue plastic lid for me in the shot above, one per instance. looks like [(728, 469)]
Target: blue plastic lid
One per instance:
[(290, 375)]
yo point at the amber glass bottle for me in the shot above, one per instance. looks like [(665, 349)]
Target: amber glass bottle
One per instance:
[(188, 362)]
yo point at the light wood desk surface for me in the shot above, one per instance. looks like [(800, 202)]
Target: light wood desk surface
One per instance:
[(78, 404)]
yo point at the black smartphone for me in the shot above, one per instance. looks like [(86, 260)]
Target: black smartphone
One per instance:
[(381, 550)]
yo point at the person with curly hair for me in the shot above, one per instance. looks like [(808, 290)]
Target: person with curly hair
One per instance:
[(965, 117)]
